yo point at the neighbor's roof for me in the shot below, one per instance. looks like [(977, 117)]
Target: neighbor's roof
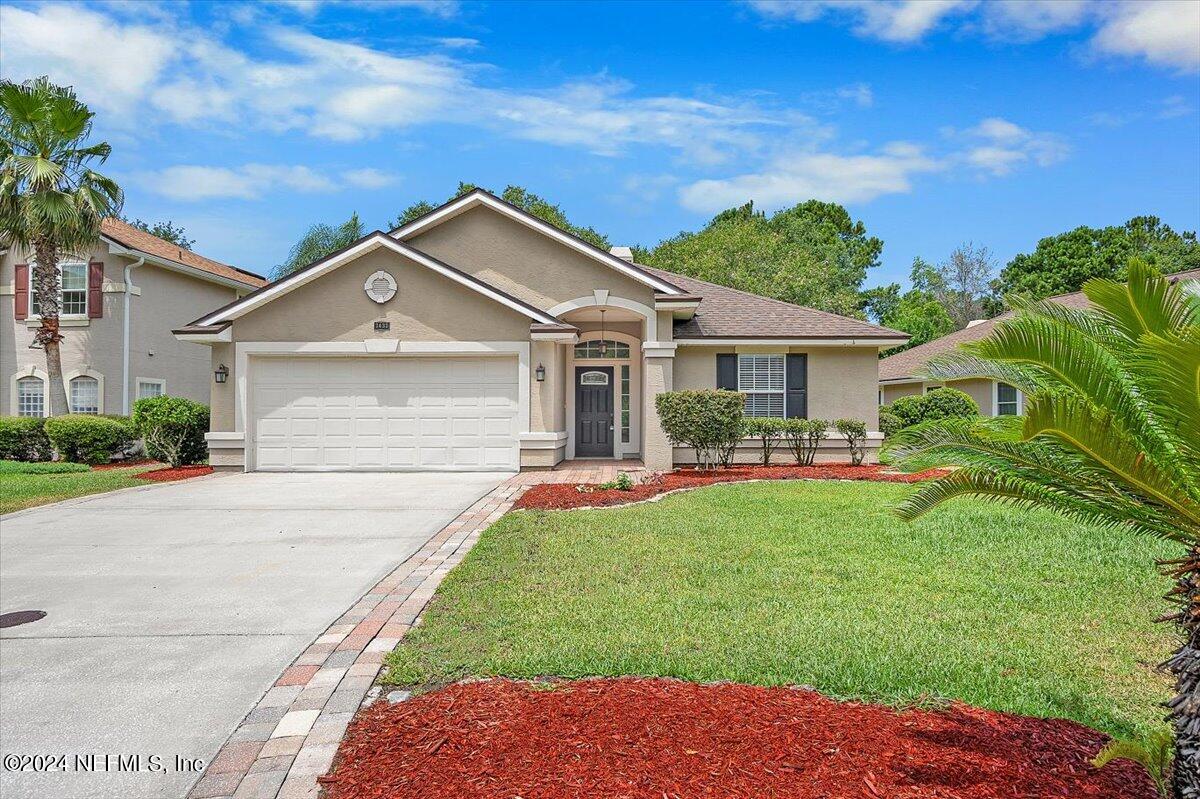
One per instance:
[(135, 239), (908, 363), (729, 313)]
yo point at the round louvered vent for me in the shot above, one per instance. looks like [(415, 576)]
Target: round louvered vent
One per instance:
[(380, 287)]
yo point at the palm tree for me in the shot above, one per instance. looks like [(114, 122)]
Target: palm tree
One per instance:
[(1111, 436), (319, 241), (51, 202)]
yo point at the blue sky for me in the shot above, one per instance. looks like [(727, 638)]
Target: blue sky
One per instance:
[(933, 122)]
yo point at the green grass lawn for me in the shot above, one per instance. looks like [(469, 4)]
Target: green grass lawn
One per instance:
[(813, 583), (19, 491)]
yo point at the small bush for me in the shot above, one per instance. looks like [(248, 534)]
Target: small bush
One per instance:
[(941, 403), (173, 429), (889, 423), (623, 483), (710, 422), (53, 467), (769, 431), (855, 433), (89, 439), (23, 438), (803, 437)]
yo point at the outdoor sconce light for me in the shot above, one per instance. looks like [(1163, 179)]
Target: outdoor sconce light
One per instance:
[(540, 373), (221, 374)]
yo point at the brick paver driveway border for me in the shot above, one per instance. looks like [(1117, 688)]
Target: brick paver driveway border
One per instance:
[(291, 736)]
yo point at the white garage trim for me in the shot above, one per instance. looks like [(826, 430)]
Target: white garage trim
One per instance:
[(244, 350)]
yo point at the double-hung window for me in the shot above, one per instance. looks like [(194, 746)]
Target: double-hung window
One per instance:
[(72, 290), (1008, 400), (761, 379)]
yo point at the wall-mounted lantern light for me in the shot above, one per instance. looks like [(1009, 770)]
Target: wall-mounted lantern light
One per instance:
[(221, 374), (540, 373)]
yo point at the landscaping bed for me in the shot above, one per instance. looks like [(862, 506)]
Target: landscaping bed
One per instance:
[(562, 496), (667, 738), (168, 474)]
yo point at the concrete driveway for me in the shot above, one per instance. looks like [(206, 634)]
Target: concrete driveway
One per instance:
[(171, 609)]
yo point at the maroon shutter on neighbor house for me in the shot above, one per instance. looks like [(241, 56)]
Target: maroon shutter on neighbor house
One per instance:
[(95, 290), (21, 290)]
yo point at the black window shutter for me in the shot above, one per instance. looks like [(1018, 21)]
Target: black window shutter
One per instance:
[(727, 372), (797, 386)]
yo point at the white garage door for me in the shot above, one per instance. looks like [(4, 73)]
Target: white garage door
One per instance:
[(334, 414)]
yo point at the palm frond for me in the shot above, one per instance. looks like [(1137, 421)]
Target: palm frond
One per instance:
[(1145, 303), (961, 365)]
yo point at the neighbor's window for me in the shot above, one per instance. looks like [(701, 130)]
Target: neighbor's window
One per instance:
[(1008, 400), (31, 396), (72, 290), (761, 379), (625, 404), (85, 395), (151, 388), (591, 349)]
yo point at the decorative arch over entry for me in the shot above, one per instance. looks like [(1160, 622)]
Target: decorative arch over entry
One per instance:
[(605, 300)]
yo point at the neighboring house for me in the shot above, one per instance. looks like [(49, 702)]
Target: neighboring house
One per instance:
[(480, 337), (118, 304), (902, 374)]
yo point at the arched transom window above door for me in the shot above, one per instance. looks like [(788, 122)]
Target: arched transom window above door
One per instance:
[(601, 349)]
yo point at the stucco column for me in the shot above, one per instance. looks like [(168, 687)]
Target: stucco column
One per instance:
[(657, 377)]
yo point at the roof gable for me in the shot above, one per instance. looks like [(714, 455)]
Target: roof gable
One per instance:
[(479, 197), (368, 243), (128, 237)]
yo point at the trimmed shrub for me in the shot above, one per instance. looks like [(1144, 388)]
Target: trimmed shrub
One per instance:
[(803, 437), (23, 438), (52, 467), (889, 423), (855, 433), (941, 403), (710, 422), (173, 429), (769, 431), (89, 439)]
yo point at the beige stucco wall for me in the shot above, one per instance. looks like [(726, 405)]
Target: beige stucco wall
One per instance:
[(842, 381), (522, 261), (167, 300), (224, 395), (893, 392), (427, 307)]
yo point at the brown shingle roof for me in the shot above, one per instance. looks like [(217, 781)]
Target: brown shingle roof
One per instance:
[(908, 363), (133, 238), (729, 313)]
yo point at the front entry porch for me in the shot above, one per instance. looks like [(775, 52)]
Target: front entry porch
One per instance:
[(587, 470)]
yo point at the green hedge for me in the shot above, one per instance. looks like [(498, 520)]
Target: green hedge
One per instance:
[(173, 429), (710, 422), (804, 436), (889, 423), (770, 432), (89, 439), (941, 403), (23, 438)]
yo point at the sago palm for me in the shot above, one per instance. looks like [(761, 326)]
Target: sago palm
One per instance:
[(1110, 436), (51, 202)]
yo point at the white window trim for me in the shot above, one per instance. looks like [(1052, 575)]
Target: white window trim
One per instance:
[(637, 348), (86, 371), (137, 385), (781, 392), (30, 371), (31, 316), (996, 399)]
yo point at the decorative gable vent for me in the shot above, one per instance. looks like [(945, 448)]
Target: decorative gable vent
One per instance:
[(380, 287)]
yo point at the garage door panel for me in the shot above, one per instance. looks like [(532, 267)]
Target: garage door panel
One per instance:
[(385, 413)]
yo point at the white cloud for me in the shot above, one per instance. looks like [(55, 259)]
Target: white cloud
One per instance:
[(890, 20), (368, 178), (1174, 107), (458, 42), (1164, 32), (998, 146), (859, 93), (445, 9), (249, 182), (826, 176), (1028, 20)]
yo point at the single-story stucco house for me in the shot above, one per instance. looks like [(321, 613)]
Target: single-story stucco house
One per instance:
[(480, 337), (903, 374)]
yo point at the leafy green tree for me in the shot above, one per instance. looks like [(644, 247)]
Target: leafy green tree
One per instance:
[(811, 254), (917, 312), (522, 198), (1109, 437), (1061, 264), (167, 231), (319, 241), (51, 201)]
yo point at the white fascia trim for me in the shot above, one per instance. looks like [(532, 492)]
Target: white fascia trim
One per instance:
[(362, 248), (243, 350), (791, 342), (898, 381), (221, 337), (658, 349), (566, 338), (175, 266), (676, 306), (469, 201)]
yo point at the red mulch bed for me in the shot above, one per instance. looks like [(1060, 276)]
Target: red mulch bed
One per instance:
[(625, 738), (561, 496), (125, 464), (167, 474)]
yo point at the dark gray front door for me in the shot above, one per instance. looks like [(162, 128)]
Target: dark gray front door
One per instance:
[(593, 411)]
